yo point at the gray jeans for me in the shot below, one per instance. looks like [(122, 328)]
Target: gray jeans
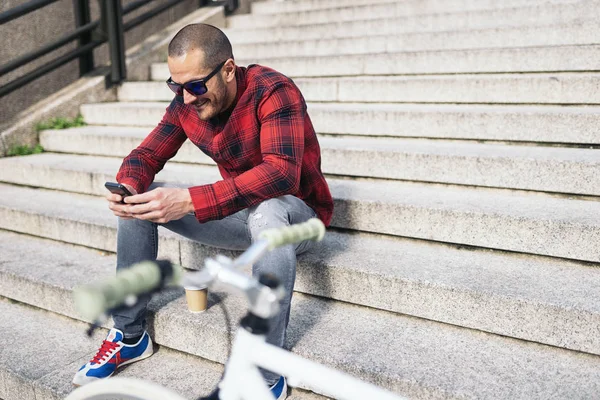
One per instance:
[(137, 240)]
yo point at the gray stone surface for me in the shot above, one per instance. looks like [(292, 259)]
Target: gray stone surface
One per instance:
[(410, 356), (539, 299), (579, 32), (145, 91), (523, 222), (532, 88), (482, 366), (33, 344), (87, 174), (68, 217), (63, 103), (480, 122), (427, 11), (124, 114), (92, 88), (560, 88), (523, 123), (560, 227), (186, 375), (538, 14), (111, 141), (548, 169), (457, 61), (53, 348), (273, 7)]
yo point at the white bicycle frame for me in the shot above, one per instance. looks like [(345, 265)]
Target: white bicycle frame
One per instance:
[(242, 379)]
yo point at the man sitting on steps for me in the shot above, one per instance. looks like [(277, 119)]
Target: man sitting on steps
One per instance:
[(253, 123)]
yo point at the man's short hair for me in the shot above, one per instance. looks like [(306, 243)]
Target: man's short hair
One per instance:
[(209, 39)]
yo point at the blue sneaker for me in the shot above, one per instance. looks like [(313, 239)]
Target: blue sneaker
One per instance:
[(279, 389), (113, 354)]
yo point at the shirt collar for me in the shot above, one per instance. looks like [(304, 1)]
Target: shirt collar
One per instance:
[(240, 78)]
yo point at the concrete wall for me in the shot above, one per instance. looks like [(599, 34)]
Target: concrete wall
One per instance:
[(43, 26)]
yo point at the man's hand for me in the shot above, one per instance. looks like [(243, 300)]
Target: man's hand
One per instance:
[(160, 205), (118, 208)]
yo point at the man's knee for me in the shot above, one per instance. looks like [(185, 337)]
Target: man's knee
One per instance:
[(271, 213)]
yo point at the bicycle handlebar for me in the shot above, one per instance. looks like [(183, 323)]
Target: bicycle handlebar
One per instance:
[(313, 229), (93, 301)]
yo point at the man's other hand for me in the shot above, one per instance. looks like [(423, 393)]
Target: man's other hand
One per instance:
[(160, 205), (118, 208)]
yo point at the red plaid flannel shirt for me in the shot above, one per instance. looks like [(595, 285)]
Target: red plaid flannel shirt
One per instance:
[(267, 148)]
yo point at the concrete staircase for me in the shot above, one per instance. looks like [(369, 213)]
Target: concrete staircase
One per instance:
[(460, 141)]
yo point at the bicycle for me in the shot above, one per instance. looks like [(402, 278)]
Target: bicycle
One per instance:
[(241, 379)]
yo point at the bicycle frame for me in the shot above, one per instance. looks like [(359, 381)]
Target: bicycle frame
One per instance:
[(243, 381)]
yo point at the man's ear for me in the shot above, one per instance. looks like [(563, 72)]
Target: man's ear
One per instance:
[(229, 69)]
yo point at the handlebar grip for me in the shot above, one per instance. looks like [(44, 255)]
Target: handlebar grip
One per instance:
[(313, 229), (96, 299)]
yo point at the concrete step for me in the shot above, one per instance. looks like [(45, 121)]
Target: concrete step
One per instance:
[(531, 35), (56, 347), (524, 222), (413, 10), (124, 113), (508, 60), (462, 61), (548, 169), (111, 141), (538, 14), (541, 299), (547, 88), (556, 88), (552, 124), (275, 7), (411, 356)]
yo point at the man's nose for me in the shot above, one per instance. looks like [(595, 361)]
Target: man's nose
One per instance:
[(188, 98)]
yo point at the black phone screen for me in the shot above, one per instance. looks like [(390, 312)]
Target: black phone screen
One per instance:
[(117, 188)]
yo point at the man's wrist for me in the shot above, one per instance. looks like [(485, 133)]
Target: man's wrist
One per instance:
[(189, 203)]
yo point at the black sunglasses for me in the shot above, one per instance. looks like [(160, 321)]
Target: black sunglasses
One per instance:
[(197, 87)]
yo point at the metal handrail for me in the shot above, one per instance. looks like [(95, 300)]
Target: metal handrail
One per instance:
[(110, 28), (12, 65), (23, 9), (38, 72)]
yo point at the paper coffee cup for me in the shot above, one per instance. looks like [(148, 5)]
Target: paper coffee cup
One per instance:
[(197, 299)]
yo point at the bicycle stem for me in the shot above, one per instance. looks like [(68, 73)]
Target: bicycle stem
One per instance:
[(222, 271)]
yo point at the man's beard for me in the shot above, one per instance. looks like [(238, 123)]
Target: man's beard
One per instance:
[(216, 105)]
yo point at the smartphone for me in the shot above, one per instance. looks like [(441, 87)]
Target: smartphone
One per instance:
[(117, 188)]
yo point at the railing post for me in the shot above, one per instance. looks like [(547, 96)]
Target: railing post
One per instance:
[(82, 17), (112, 21), (231, 6)]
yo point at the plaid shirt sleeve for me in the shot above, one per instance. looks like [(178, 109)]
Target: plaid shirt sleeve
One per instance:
[(281, 114), (143, 163)]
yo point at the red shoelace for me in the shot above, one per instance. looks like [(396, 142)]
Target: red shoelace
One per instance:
[(106, 348)]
